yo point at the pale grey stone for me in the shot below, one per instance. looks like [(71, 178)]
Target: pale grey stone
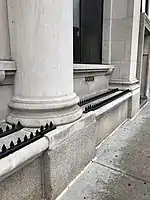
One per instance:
[(62, 133), (110, 120), (44, 79), (6, 92), (25, 184), (65, 161), (128, 149), (107, 13), (125, 32), (134, 103), (121, 169), (101, 75), (101, 183), (120, 7), (107, 28), (4, 36)]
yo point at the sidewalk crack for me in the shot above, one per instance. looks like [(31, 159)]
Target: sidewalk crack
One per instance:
[(119, 171)]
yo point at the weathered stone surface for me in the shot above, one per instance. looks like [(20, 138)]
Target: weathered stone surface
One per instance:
[(66, 160), (4, 36), (25, 184), (100, 183), (5, 94), (101, 74), (128, 149), (41, 95), (110, 120), (121, 169), (134, 103)]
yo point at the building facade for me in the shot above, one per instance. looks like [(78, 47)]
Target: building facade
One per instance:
[(82, 64)]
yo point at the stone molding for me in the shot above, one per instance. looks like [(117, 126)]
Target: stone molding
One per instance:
[(14, 162), (123, 85), (101, 111), (93, 68), (35, 112), (7, 72), (124, 82)]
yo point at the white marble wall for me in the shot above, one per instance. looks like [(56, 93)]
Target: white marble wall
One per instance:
[(6, 89), (124, 45), (107, 26), (4, 32)]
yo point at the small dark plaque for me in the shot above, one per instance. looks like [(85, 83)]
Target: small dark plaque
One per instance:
[(89, 78)]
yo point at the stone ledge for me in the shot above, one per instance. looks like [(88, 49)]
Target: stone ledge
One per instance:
[(123, 84), (84, 68), (111, 105), (63, 133), (7, 72), (89, 78), (15, 161)]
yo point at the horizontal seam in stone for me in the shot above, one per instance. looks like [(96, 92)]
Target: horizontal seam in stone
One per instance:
[(91, 124)]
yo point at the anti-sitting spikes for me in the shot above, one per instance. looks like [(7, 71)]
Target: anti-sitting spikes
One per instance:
[(51, 124), (46, 127), (13, 126), (11, 145), (37, 132), (25, 138), (26, 141), (7, 128), (4, 148), (41, 128), (19, 124), (19, 141), (31, 135)]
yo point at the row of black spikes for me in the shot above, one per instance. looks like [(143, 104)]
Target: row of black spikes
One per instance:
[(27, 140), (96, 97), (11, 130), (103, 103)]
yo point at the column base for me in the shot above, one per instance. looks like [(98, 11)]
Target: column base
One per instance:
[(36, 112)]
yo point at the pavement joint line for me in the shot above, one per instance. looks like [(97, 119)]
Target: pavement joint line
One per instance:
[(73, 181), (112, 133), (127, 174)]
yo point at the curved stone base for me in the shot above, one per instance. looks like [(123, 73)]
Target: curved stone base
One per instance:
[(34, 113)]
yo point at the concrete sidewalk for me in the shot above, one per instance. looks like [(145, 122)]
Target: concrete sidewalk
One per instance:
[(121, 170)]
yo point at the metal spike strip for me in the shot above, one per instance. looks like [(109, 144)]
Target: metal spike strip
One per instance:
[(11, 130), (26, 141), (103, 103), (96, 97)]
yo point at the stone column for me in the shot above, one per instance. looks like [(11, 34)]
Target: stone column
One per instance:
[(124, 46), (41, 33)]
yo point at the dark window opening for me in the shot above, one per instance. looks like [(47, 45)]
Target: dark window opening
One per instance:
[(87, 31), (146, 6), (141, 6)]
